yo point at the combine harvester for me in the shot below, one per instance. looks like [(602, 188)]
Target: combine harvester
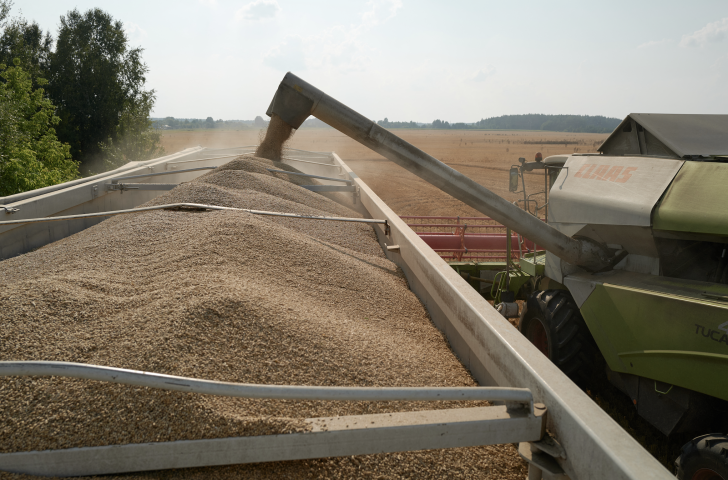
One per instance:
[(589, 265)]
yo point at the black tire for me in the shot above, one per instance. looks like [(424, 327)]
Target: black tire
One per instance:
[(704, 458), (553, 323)]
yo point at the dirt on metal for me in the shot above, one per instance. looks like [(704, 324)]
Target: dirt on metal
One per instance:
[(227, 296)]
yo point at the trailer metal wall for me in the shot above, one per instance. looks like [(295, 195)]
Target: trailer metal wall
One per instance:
[(84, 197), (497, 354)]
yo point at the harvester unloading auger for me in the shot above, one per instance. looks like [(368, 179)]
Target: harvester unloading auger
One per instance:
[(636, 260), (296, 100)]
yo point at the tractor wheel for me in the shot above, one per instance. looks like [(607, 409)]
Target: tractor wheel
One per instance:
[(704, 458), (553, 323)]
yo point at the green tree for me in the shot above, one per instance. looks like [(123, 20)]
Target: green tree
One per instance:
[(97, 83), (31, 156), (28, 43), (5, 6), (134, 138)]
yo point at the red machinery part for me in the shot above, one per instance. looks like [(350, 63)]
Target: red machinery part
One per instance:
[(491, 242), (447, 236)]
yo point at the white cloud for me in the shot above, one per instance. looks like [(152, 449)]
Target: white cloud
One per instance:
[(711, 33), (287, 55), (654, 43), (134, 32), (341, 48), (258, 10), (380, 11), (484, 73), (720, 62), (209, 3)]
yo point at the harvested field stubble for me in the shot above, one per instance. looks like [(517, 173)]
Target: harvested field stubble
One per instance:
[(225, 296)]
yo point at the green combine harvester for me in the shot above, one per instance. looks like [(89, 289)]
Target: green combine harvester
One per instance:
[(657, 195), (658, 191)]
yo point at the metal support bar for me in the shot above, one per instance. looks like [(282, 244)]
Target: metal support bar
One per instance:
[(230, 148), (329, 437), (140, 186), (307, 161), (18, 197), (196, 206), (348, 182), (538, 461), (330, 188), (205, 159), (116, 180), (124, 376)]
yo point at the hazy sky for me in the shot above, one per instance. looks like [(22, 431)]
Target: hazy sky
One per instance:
[(422, 60)]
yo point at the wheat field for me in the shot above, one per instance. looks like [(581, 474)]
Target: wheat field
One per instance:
[(484, 156)]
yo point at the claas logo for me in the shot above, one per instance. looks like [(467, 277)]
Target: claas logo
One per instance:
[(611, 173)]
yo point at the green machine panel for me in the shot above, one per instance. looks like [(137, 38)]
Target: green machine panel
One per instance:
[(670, 330), (696, 201)]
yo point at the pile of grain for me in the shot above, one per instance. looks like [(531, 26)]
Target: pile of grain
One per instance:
[(226, 296)]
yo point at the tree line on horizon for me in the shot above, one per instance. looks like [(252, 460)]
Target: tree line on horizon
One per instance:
[(71, 104), (172, 123), (532, 121), (543, 122)]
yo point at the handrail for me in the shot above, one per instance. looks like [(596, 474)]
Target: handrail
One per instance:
[(206, 159), (171, 172), (307, 161), (193, 206), (246, 390)]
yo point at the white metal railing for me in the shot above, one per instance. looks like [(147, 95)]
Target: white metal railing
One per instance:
[(198, 206), (518, 421), (138, 378)]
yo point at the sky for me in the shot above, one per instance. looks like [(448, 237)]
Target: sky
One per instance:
[(458, 61)]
